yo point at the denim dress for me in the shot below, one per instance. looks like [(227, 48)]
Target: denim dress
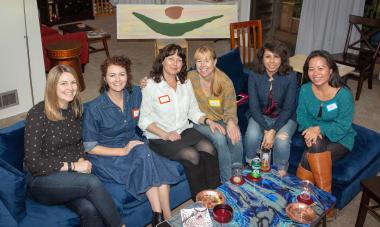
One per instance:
[(105, 124)]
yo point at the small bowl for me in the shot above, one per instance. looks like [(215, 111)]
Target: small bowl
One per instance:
[(222, 213), (210, 198), (300, 212), (237, 180)]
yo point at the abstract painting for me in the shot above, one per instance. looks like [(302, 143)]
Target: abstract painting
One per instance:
[(142, 21)]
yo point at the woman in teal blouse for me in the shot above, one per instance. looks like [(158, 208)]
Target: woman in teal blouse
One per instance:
[(324, 114)]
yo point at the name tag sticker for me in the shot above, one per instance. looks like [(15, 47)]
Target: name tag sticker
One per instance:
[(135, 113), (331, 106), (164, 99), (214, 102)]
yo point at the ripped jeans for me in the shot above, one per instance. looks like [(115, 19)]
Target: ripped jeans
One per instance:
[(281, 145)]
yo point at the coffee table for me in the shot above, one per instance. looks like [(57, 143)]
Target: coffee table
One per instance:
[(92, 35), (263, 203)]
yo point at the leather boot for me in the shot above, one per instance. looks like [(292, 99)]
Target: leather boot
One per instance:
[(305, 174), (321, 167), (157, 218), (211, 169), (195, 176)]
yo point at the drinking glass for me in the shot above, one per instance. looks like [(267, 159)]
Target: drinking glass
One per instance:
[(282, 167), (305, 195)]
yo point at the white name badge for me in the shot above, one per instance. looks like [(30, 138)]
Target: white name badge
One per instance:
[(331, 106), (214, 102)]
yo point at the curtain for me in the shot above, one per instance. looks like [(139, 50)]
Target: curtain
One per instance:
[(324, 24)]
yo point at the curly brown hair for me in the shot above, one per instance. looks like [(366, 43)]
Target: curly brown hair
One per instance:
[(157, 69), (121, 61), (278, 48)]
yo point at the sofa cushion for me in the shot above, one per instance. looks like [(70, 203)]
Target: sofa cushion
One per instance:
[(6, 219), (48, 216), (45, 30), (230, 63), (12, 190), (12, 144), (365, 150)]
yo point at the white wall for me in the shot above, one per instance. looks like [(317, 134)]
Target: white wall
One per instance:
[(14, 61)]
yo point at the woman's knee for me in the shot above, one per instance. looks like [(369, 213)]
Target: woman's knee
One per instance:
[(254, 132), (93, 181), (320, 145)]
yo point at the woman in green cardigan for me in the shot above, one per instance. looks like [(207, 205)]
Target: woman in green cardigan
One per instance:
[(324, 114)]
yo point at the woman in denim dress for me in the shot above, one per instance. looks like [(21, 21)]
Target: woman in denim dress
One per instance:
[(118, 154)]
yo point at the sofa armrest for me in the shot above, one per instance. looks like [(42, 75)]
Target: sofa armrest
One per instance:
[(79, 36)]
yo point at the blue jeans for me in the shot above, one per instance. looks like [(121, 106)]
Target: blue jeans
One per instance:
[(228, 153), (83, 193), (281, 146)]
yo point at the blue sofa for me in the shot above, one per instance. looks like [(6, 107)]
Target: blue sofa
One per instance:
[(363, 162), (18, 210)]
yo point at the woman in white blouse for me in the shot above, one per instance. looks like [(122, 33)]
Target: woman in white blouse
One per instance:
[(167, 106)]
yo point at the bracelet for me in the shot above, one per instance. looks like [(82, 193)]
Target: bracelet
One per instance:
[(205, 121), (69, 169)]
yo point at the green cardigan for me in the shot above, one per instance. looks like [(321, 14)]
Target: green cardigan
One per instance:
[(336, 119)]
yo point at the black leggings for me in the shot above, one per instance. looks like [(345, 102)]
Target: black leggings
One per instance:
[(196, 154), (337, 150)]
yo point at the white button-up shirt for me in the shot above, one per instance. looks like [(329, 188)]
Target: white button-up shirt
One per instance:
[(170, 110)]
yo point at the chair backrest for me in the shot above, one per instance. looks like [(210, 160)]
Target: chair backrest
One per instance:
[(248, 37), (367, 27)]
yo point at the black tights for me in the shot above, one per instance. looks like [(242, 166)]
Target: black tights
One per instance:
[(337, 150), (192, 153)]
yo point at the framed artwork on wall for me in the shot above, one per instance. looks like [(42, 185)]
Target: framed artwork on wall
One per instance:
[(142, 21)]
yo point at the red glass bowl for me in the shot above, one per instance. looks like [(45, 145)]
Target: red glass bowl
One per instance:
[(306, 201), (237, 180), (222, 213)]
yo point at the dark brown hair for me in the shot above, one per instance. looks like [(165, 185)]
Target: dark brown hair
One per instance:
[(335, 80), (121, 61), (275, 47), (157, 69)]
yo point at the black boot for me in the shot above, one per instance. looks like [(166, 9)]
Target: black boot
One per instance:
[(157, 218), (194, 174), (211, 169)]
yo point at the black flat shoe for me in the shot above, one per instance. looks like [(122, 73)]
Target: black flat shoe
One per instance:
[(157, 218)]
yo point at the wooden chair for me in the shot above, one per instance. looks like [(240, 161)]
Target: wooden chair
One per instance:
[(248, 37), (360, 53)]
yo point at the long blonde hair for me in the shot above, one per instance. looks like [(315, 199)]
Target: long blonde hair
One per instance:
[(52, 109), (216, 86)]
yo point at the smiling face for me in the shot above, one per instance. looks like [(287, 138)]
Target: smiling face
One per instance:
[(116, 78), (67, 88), (271, 61), (205, 65), (172, 65), (318, 71)]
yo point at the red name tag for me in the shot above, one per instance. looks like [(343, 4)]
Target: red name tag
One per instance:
[(164, 99), (135, 113)]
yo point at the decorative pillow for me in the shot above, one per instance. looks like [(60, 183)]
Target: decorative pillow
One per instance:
[(12, 190), (12, 144), (230, 63), (6, 219)]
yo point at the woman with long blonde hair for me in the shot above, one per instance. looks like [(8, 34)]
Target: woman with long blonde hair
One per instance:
[(58, 172), (216, 98)]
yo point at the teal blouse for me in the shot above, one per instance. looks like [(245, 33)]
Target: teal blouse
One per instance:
[(335, 118)]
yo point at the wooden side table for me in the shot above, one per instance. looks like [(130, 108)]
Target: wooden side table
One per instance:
[(371, 190), (66, 52)]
